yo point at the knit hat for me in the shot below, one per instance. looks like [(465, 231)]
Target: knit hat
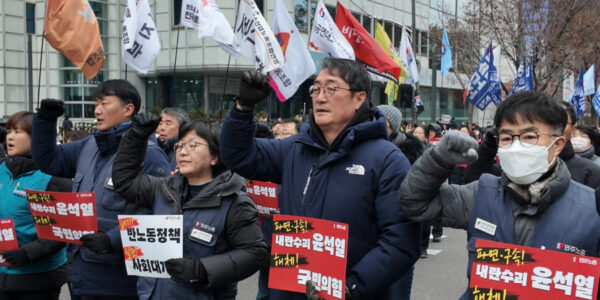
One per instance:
[(393, 115)]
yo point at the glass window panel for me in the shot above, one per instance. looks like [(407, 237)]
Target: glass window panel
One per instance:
[(397, 35), (301, 14), (71, 93), (332, 10), (73, 110), (30, 17), (356, 15), (103, 24), (100, 77), (389, 29), (367, 23), (424, 41), (189, 92), (88, 94), (261, 5), (70, 77), (64, 62), (89, 110), (99, 9), (176, 11)]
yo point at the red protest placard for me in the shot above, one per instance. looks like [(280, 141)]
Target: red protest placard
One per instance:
[(264, 195), (307, 248), (63, 217), (506, 271), (8, 238)]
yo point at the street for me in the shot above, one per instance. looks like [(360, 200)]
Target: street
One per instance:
[(442, 275)]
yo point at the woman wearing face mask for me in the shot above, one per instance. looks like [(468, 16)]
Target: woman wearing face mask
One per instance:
[(420, 133), (583, 141), (37, 269), (204, 192)]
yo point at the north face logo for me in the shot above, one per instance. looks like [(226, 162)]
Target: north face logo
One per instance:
[(356, 170)]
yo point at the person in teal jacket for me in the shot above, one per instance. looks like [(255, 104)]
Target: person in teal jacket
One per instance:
[(38, 268)]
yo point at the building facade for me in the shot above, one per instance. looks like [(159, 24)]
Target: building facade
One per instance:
[(196, 74)]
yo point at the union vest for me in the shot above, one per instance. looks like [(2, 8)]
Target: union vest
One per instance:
[(13, 204), (209, 220), (560, 225)]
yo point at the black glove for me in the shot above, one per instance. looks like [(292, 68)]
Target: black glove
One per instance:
[(50, 109), (16, 258), (97, 242), (455, 148), (144, 124), (254, 87), (186, 270), (311, 291)]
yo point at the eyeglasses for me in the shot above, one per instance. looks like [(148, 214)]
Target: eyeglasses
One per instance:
[(315, 90), (527, 139), (189, 146)]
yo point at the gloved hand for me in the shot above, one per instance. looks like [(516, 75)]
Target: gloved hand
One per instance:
[(144, 124), (455, 148), (97, 242), (50, 109), (16, 258), (254, 87), (311, 291), (186, 270)]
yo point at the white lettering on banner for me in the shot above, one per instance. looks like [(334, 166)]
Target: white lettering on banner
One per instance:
[(332, 286), (69, 234), (7, 235)]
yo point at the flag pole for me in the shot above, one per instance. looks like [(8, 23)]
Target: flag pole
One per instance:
[(224, 89), (40, 70), (125, 71), (171, 99)]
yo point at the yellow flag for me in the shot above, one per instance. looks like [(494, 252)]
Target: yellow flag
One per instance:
[(384, 41), (391, 90)]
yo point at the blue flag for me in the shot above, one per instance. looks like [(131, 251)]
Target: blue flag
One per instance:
[(520, 81), (577, 99), (529, 77), (485, 83), (596, 101), (446, 55)]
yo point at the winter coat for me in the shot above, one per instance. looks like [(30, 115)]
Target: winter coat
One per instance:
[(353, 181), (424, 198), (47, 268), (237, 249), (591, 155), (89, 163), (581, 169), (168, 147)]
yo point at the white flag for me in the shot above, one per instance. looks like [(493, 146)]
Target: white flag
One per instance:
[(255, 40), (326, 36), (206, 17), (298, 64), (407, 57), (588, 82), (140, 41)]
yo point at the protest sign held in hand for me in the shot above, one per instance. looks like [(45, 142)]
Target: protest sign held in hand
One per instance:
[(149, 241), (264, 195), (309, 249), (507, 271), (64, 217), (8, 238)]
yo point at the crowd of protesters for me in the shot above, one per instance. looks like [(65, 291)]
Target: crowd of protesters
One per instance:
[(534, 174)]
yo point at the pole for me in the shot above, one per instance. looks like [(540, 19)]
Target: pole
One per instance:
[(125, 71), (30, 71), (413, 107), (40, 70), (171, 99), (224, 88), (433, 94)]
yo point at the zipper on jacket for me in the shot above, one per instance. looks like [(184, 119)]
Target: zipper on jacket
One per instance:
[(172, 198), (306, 186)]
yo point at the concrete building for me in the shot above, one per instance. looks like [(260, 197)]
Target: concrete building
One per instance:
[(201, 66)]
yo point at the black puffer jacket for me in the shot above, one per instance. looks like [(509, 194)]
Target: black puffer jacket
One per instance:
[(39, 248), (246, 252), (582, 169)]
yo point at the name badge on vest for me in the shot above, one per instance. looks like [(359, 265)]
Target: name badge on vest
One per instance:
[(485, 226), (203, 234)]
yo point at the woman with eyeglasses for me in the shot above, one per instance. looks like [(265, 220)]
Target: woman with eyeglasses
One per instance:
[(37, 268), (222, 242)]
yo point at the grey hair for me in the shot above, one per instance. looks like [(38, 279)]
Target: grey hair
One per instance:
[(181, 115)]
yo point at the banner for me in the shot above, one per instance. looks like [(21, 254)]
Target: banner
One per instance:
[(326, 37), (588, 81), (407, 57), (506, 271), (140, 42), (264, 195), (298, 65), (207, 19), (64, 217), (366, 49), (596, 102), (72, 29), (382, 38), (8, 238), (529, 77), (485, 83), (309, 249), (577, 98), (255, 40), (149, 241), (520, 83), (446, 59)]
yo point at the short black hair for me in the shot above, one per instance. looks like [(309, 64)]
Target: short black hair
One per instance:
[(210, 133), (123, 89), (570, 111), (590, 132), (21, 120), (263, 131), (296, 122), (532, 106), (353, 72)]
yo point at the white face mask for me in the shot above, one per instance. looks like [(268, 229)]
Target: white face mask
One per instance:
[(581, 144), (524, 165)]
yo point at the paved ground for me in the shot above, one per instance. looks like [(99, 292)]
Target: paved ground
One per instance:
[(439, 276)]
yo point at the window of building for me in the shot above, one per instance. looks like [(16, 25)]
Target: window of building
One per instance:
[(301, 14), (389, 29), (261, 5), (176, 12), (366, 22), (424, 42), (397, 35), (30, 17), (332, 10)]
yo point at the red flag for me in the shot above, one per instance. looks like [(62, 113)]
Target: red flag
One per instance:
[(465, 92), (72, 29), (366, 49)]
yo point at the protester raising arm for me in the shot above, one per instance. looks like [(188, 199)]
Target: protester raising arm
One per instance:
[(424, 197)]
